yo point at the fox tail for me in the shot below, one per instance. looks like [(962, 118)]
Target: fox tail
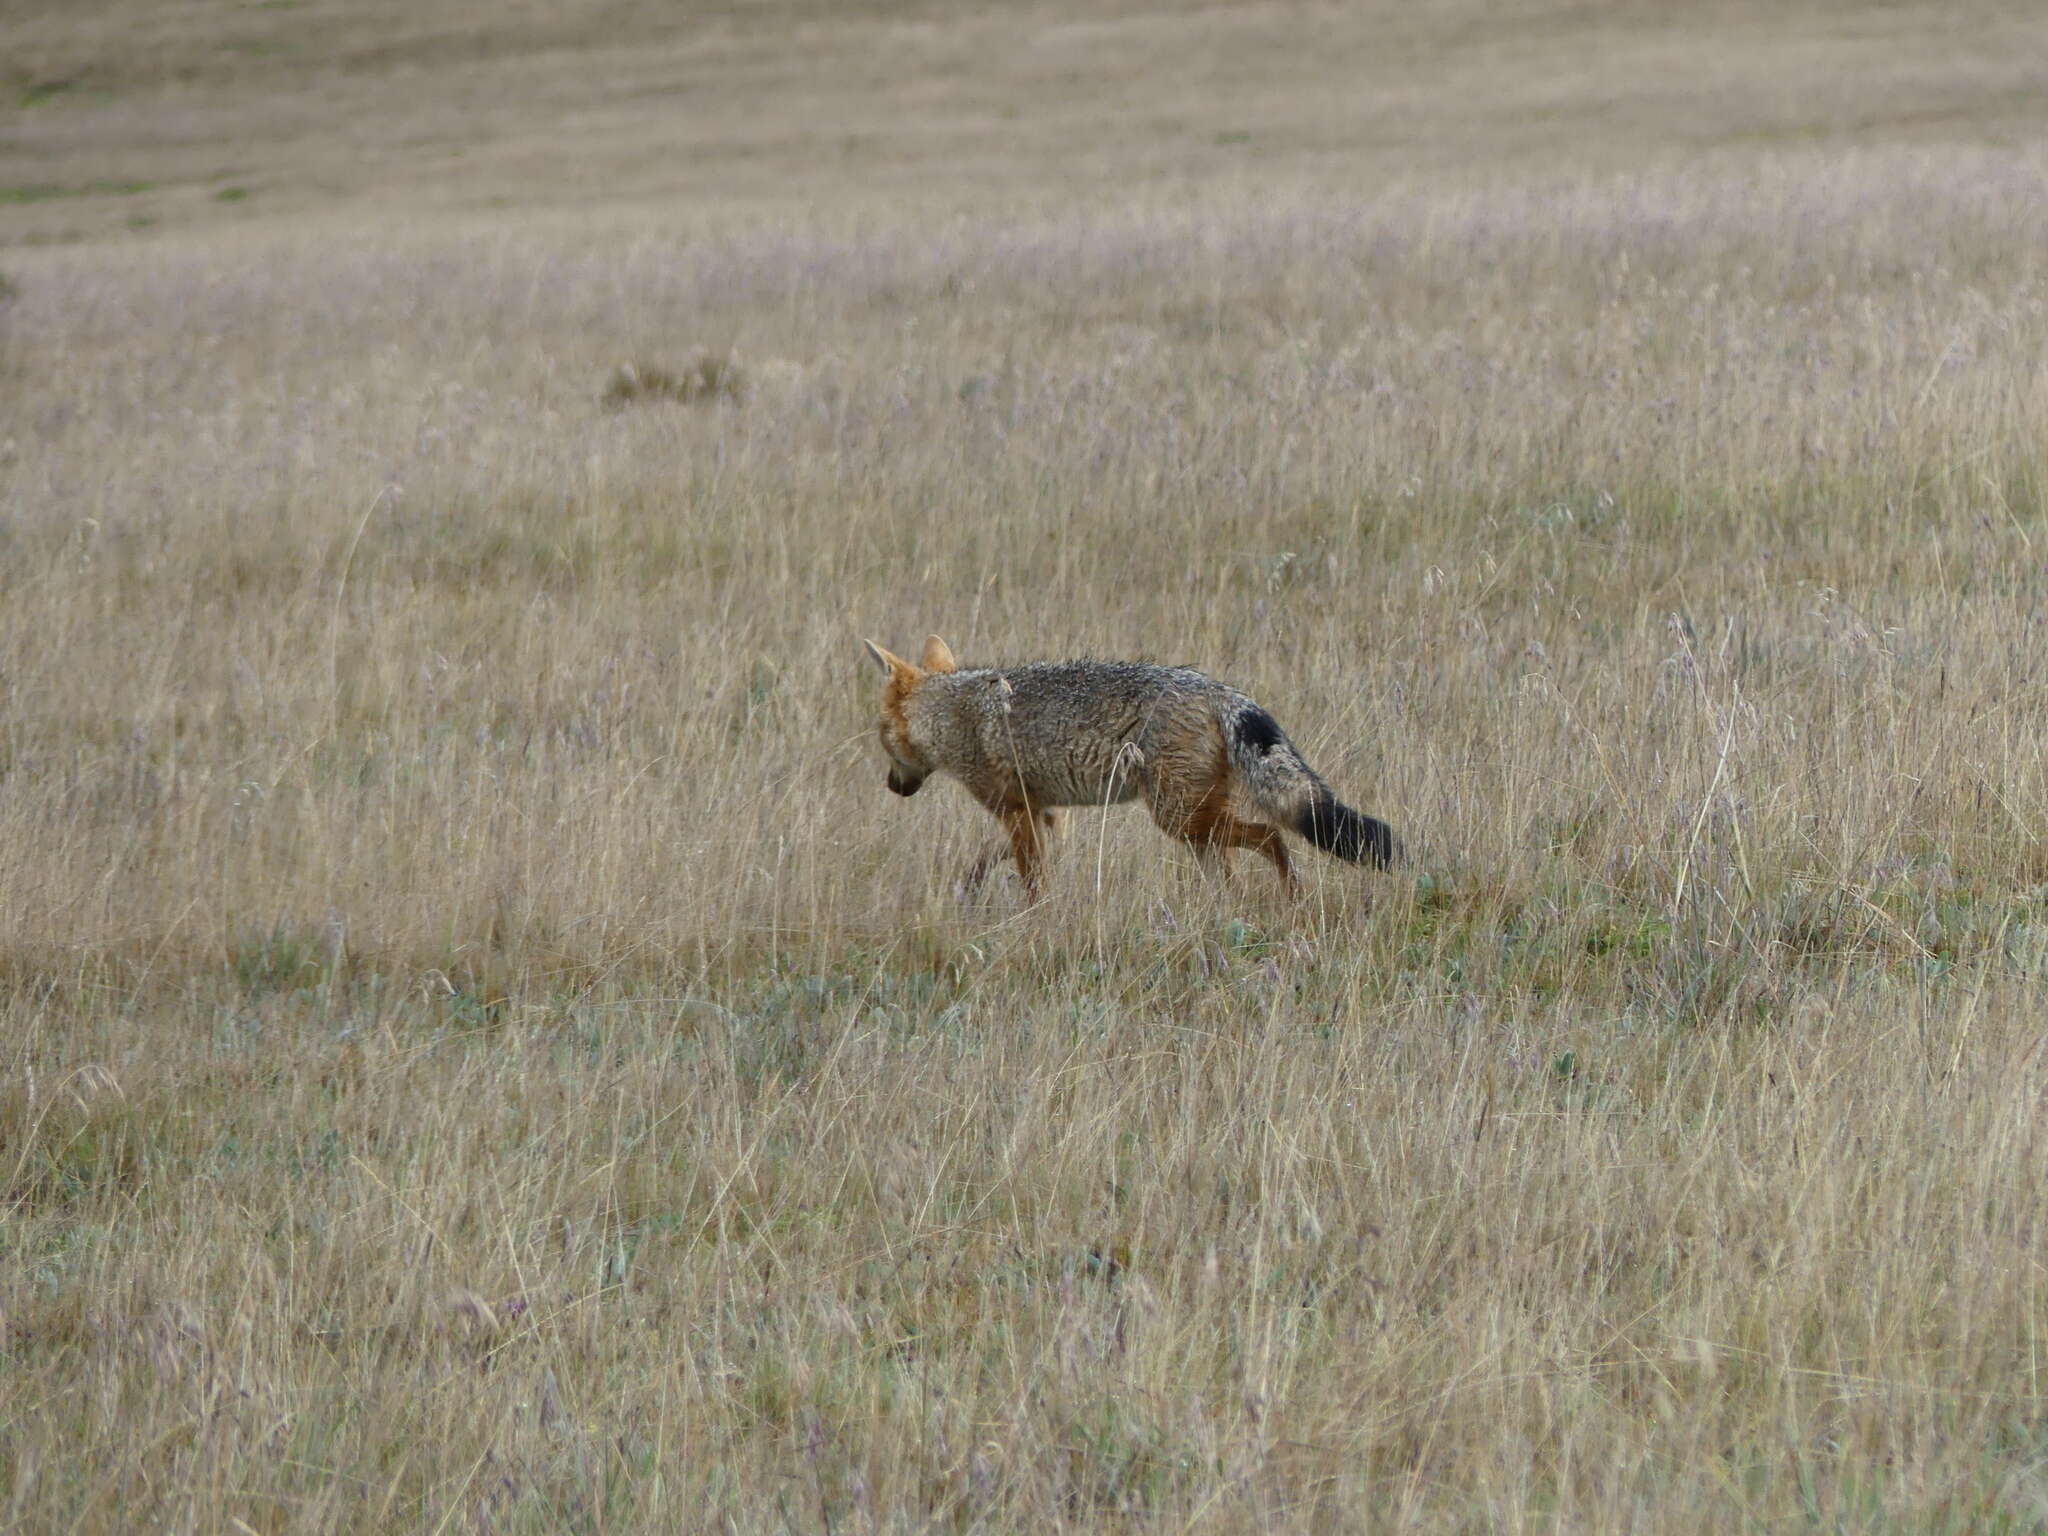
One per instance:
[(1282, 786)]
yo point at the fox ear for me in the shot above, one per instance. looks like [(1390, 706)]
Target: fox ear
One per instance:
[(888, 661), (938, 656)]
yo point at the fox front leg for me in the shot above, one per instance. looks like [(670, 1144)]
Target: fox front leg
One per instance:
[(986, 860), (1006, 848), (1026, 848)]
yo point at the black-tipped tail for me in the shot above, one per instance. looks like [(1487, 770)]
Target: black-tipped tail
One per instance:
[(1336, 828)]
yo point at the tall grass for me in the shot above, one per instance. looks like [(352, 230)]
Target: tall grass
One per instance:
[(482, 1050)]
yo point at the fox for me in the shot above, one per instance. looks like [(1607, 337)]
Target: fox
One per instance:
[(1214, 769)]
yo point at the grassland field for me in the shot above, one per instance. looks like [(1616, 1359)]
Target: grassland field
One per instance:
[(481, 1050)]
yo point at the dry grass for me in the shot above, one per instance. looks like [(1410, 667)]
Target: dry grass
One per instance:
[(483, 1051)]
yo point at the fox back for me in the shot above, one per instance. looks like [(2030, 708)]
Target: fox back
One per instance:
[(1062, 732)]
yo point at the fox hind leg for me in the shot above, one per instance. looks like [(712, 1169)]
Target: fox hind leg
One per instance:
[(1230, 832), (1213, 831), (1194, 805)]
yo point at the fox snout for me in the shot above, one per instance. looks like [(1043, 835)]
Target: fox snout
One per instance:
[(904, 784)]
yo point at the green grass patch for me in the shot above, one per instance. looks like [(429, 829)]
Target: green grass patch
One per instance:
[(50, 191)]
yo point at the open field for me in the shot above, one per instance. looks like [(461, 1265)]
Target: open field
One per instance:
[(481, 1050)]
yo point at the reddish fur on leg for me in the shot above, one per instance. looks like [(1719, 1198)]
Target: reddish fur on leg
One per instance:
[(1199, 812), (1229, 832), (1022, 826)]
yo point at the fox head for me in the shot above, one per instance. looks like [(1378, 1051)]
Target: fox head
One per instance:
[(908, 766)]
